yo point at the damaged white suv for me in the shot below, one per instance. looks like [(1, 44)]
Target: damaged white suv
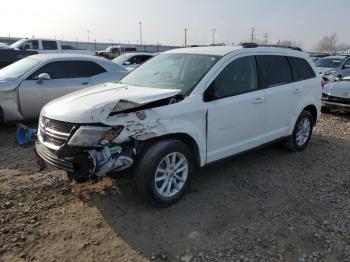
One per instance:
[(182, 110)]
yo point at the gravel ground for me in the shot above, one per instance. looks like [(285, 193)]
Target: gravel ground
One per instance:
[(266, 205)]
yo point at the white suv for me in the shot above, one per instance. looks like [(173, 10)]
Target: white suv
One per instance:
[(182, 110)]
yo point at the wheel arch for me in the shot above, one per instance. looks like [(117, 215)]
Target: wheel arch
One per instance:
[(313, 110), (184, 137)]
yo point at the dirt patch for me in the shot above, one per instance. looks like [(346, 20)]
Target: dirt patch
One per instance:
[(266, 205)]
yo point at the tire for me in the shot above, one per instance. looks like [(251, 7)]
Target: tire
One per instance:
[(153, 165), (294, 143)]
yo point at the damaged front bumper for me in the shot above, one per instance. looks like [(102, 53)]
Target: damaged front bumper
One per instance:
[(87, 162), (56, 147)]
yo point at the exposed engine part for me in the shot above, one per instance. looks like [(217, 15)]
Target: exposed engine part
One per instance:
[(111, 157)]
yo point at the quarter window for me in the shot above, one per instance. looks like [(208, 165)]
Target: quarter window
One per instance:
[(49, 45), (301, 69), (274, 70), (69, 69), (239, 77)]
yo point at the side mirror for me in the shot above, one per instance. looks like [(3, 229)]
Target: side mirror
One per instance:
[(127, 63), (210, 94), (43, 76)]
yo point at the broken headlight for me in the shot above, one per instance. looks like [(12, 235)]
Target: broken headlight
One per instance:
[(92, 135)]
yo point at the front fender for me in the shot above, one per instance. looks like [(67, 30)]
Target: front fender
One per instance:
[(149, 124)]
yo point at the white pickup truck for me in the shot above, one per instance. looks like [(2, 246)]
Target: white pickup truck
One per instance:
[(47, 46)]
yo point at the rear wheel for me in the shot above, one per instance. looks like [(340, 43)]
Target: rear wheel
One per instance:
[(163, 172), (302, 133)]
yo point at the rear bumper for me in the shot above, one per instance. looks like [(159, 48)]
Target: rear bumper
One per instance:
[(50, 158)]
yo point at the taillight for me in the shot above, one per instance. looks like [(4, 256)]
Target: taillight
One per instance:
[(96, 53)]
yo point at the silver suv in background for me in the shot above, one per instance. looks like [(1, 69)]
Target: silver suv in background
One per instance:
[(181, 110), (332, 68)]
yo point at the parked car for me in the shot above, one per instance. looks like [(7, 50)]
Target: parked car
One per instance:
[(9, 55), (332, 68), (132, 60), (4, 46), (336, 96), (27, 85), (47, 46), (112, 52), (181, 110)]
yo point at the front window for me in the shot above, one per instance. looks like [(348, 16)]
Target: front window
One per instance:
[(121, 59), (172, 71), (329, 62), (30, 44), (19, 68)]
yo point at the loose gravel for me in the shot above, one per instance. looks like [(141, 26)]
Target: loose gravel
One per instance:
[(265, 205)]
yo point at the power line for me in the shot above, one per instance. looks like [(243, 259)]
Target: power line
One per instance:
[(252, 34), (214, 30), (266, 36), (186, 29)]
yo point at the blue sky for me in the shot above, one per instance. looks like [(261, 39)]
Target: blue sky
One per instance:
[(163, 21)]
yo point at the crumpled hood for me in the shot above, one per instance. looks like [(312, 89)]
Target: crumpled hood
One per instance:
[(338, 89), (95, 104), (9, 84), (323, 70)]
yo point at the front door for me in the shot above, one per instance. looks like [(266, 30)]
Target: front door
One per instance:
[(65, 78), (236, 110)]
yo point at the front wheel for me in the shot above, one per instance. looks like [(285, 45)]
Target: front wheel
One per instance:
[(163, 172), (302, 133)]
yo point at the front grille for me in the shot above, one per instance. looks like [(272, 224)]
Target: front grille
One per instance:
[(54, 133), (56, 125)]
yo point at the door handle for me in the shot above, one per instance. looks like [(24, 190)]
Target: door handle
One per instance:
[(297, 91), (258, 100), (85, 83)]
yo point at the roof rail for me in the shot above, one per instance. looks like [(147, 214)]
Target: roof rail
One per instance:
[(255, 45)]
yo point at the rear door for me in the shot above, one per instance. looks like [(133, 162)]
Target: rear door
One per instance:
[(66, 77), (282, 95)]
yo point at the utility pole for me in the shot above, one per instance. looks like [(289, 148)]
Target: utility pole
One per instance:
[(266, 36), (88, 31), (214, 30), (252, 34), (140, 33), (186, 29)]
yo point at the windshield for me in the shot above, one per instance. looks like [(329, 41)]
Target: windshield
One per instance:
[(172, 71), (121, 59), (329, 62), (19, 68), (18, 43)]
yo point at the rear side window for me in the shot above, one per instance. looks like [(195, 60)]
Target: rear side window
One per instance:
[(49, 45), (301, 69), (69, 69), (274, 70)]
